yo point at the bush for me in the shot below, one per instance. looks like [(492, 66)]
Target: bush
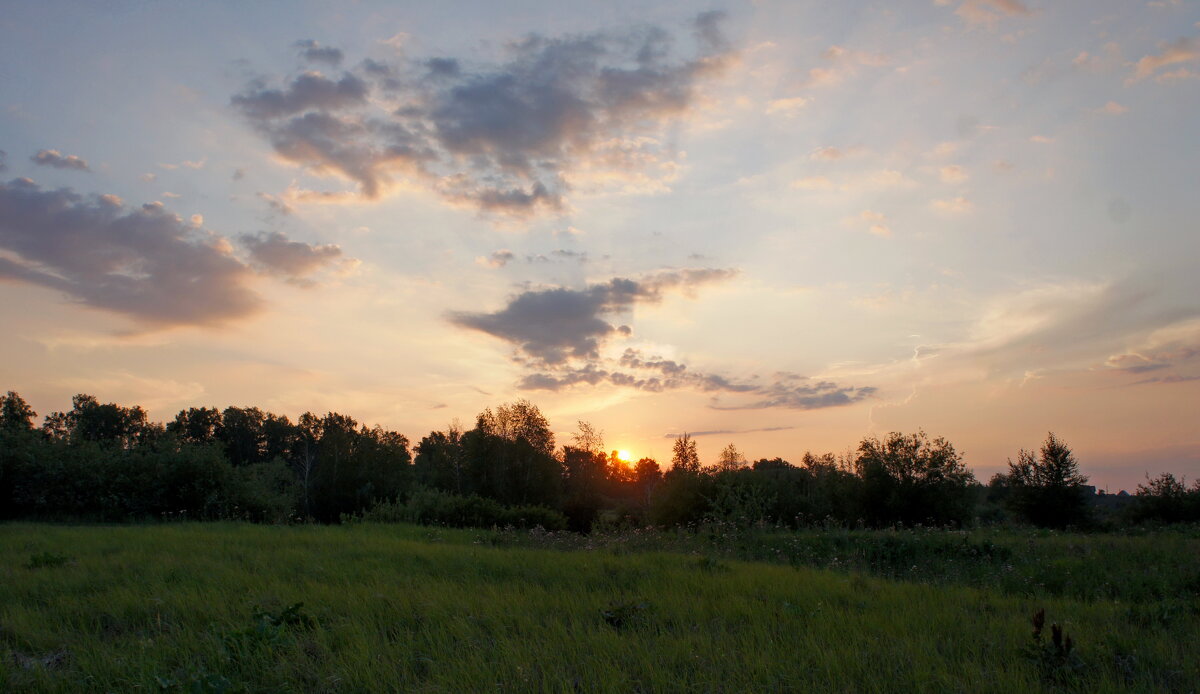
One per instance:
[(1166, 499), (432, 507)]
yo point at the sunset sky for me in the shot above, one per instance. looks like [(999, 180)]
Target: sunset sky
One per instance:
[(785, 225)]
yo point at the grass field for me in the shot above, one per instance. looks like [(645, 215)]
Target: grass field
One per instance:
[(211, 608)]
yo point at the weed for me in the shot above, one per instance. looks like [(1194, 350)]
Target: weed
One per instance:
[(267, 630), (200, 683), (623, 615), (47, 560), (712, 566), (1057, 661)]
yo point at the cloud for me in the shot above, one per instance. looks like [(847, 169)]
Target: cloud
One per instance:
[(956, 205), (504, 256), (841, 63), (295, 261), (952, 174), (787, 107), (1058, 326), (559, 333), (1176, 76), (552, 326), (509, 138), (1182, 50), (3, 156), (803, 397), (791, 392), (145, 263), (56, 159), (988, 12), (1112, 108), (874, 222), (316, 53), (1171, 348), (833, 153), (498, 258), (881, 179), (718, 432)]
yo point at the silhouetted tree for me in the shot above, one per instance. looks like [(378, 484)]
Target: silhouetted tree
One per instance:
[(15, 413), (684, 458), (730, 459), (196, 425), (108, 424), (1048, 490), (1165, 499), (439, 461), (910, 479), (521, 420)]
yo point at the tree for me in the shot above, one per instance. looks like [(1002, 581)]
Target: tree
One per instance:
[(522, 420), (109, 424), (684, 458), (588, 438), (1165, 499), (910, 479), (15, 413), (730, 459), (439, 461), (197, 425), (509, 456), (1048, 490)]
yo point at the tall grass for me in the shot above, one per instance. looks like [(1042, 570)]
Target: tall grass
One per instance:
[(214, 607)]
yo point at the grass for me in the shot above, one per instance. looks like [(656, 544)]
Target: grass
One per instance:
[(373, 608)]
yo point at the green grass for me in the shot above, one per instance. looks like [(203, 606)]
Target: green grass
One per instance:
[(212, 607)]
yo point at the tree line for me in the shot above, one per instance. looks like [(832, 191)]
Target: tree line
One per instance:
[(105, 462)]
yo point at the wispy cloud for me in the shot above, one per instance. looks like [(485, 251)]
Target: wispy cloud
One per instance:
[(1180, 51)]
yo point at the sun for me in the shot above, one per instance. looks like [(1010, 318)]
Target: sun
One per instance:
[(624, 456)]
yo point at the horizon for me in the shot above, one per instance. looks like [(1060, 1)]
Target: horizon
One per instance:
[(786, 227)]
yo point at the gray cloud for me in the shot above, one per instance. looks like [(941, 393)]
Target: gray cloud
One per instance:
[(503, 257), (56, 159), (672, 375), (314, 52), (3, 157), (309, 92), (498, 258), (803, 397), (558, 334), (278, 255), (145, 262), (505, 138), (553, 325)]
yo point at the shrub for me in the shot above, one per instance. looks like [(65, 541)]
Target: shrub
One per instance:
[(432, 507)]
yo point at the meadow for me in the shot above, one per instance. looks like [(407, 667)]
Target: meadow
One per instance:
[(361, 607)]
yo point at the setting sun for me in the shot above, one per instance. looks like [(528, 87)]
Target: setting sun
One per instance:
[(624, 456)]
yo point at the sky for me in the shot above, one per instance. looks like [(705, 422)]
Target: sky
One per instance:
[(782, 225)]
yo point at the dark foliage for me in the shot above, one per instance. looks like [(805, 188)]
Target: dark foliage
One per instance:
[(1048, 490), (107, 462)]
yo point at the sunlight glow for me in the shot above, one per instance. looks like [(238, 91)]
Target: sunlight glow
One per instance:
[(624, 456)]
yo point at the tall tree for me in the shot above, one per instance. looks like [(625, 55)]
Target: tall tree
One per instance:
[(1048, 490), (730, 459), (684, 458)]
